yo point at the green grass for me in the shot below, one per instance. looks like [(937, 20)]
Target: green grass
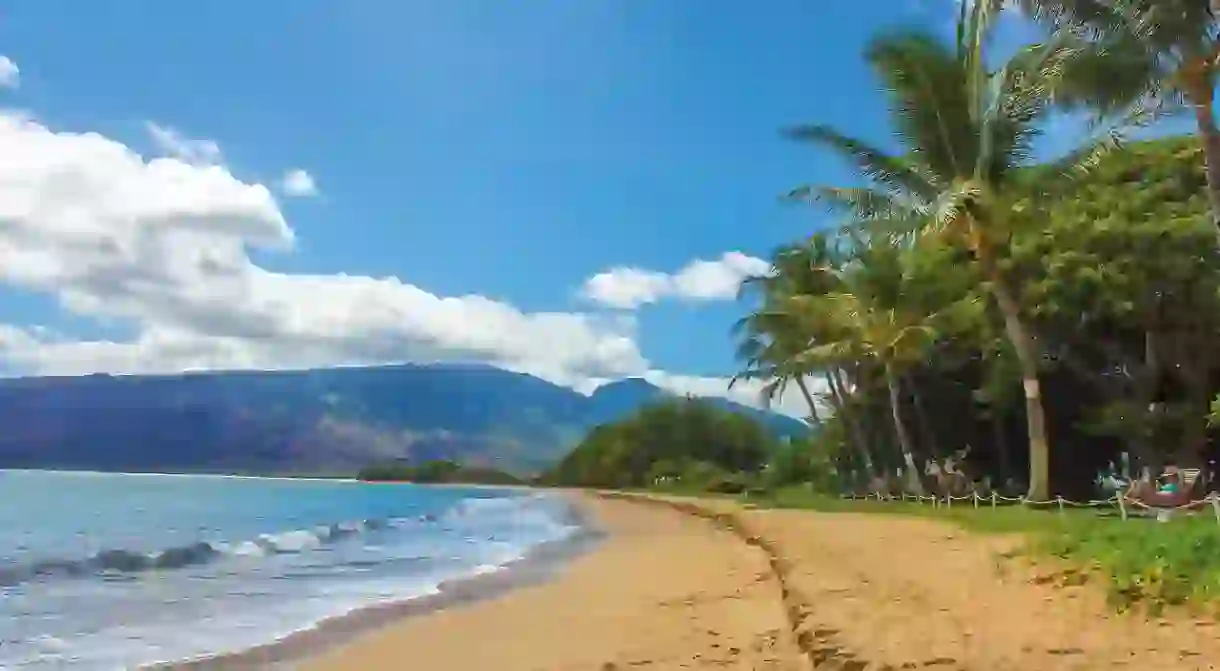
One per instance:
[(984, 519), (1145, 563), (1142, 563)]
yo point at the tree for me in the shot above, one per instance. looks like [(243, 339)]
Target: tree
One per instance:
[(770, 338), (1129, 255), (1120, 279), (685, 436), (966, 130), (1142, 55), (877, 315)]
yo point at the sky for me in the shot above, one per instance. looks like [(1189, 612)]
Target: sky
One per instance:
[(569, 189)]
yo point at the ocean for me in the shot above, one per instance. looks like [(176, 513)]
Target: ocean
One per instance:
[(114, 571)]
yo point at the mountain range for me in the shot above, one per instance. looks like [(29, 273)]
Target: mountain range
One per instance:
[(325, 421)]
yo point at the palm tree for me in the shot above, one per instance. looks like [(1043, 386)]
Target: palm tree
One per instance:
[(770, 338), (765, 341), (876, 315), (965, 130), (1141, 55)]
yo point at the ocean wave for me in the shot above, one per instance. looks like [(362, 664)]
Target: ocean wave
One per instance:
[(481, 518), (119, 561)]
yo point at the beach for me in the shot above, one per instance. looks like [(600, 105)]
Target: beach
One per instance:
[(663, 590), (694, 584)]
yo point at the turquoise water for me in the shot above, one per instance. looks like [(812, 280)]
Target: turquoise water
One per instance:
[(107, 571)]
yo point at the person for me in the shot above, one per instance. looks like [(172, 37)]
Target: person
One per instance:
[(1172, 482)]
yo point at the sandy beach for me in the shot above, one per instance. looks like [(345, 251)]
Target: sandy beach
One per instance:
[(664, 591), (886, 592), (686, 584)]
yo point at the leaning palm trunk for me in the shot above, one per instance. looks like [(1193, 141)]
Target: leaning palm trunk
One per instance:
[(1027, 358), (926, 432), (854, 434), (914, 484), (813, 406)]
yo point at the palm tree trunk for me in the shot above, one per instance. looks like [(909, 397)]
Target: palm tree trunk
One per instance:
[(854, 435), (914, 484), (926, 432), (1205, 118), (1196, 375), (1028, 359), (1001, 443), (813, 406)]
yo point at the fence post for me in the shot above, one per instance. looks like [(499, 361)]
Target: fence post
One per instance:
[(1122, 507), (993, 500), (1059, 500), (949, 501), (976, 499), (1216, 506)]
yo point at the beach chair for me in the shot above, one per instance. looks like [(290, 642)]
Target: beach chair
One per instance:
[(1142, 495)]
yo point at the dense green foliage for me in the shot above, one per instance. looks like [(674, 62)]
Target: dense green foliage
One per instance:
[(437, 472), (687, 443), (1119, 282), (1039, 319)]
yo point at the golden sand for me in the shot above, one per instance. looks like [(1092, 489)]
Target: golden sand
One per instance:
[(784, 590), (664, 591)]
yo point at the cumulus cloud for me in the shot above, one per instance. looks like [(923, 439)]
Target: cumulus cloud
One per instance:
[(170, 142), (626, 288), (161, 246), (297, 182), (10, 74)]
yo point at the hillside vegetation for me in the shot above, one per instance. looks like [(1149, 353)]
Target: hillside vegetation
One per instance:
[(687, 443)]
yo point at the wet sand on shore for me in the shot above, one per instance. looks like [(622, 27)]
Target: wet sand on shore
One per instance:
[(664, 590)]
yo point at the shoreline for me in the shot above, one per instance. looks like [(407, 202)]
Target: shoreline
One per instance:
[(677, 582), (540, 565), (665, 590)]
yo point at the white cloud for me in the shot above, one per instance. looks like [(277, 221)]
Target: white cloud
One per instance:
[(170, 142), (10, 74), (700, 280), (162, 246), (626, 288), (297, 182)]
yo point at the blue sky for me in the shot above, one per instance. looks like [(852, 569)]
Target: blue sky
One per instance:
[(509, 151)]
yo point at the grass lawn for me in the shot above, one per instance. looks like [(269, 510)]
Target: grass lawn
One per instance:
[(1142, 562)]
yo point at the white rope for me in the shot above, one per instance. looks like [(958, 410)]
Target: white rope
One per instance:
[(1118, 500)]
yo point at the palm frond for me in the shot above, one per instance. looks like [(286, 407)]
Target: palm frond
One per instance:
[(1108, 138), (930, 107), (859, 203), (952, 206), (874, 164)]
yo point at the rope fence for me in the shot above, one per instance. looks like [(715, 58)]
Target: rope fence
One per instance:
[(994, 501)]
